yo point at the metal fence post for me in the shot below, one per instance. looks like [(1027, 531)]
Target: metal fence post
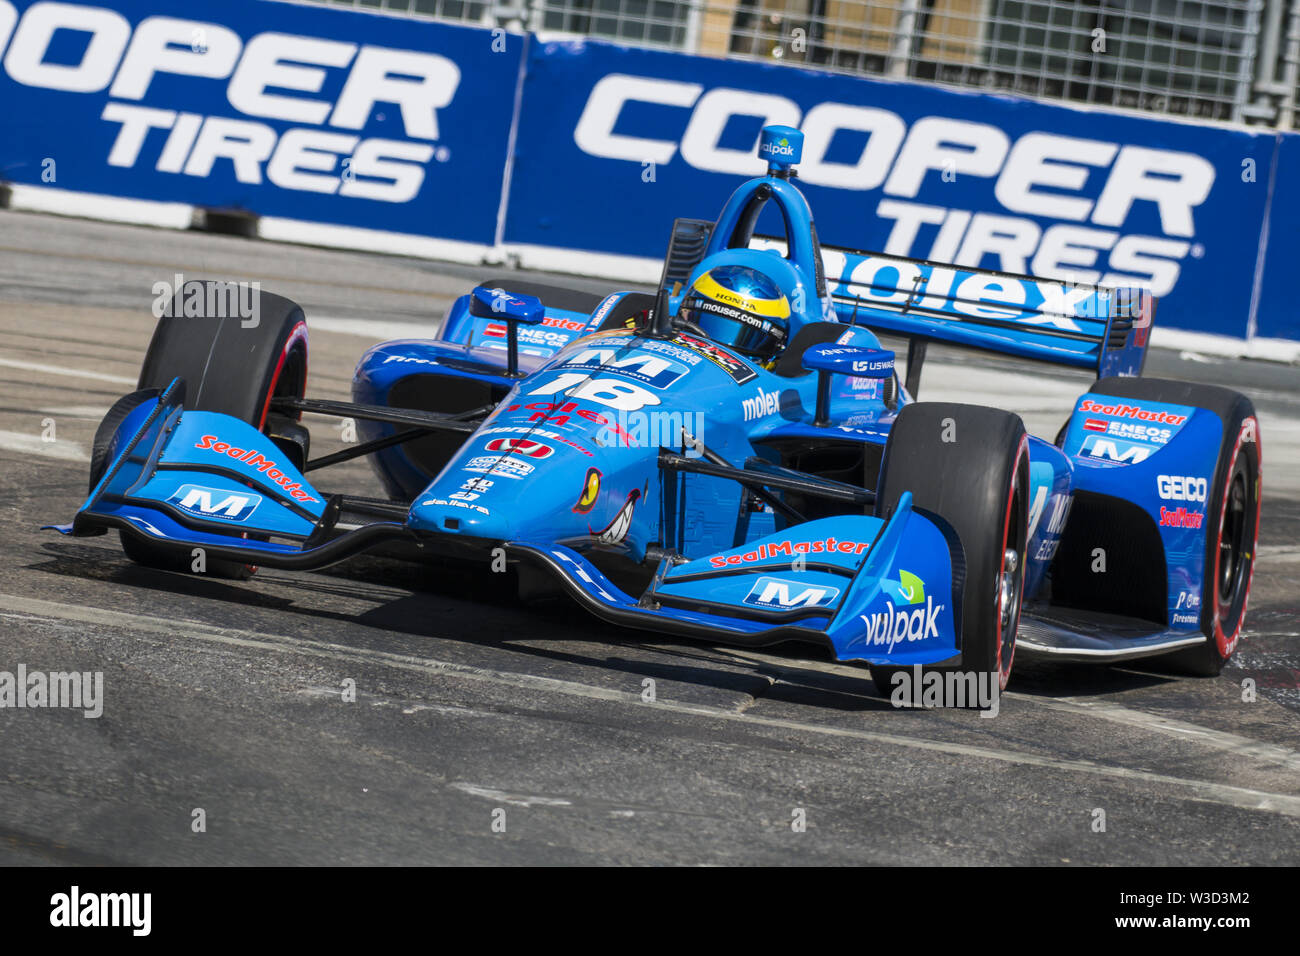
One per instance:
[(1213, 60), (1246, 68), (1290, 70), (900, 54)]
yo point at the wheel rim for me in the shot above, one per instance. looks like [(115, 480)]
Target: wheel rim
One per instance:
[(1236, 541), (1233, 553), (1007, 586), (1010, 585), (1232, 559)]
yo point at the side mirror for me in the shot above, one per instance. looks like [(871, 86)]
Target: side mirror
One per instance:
[(511, 308), (828, 360)]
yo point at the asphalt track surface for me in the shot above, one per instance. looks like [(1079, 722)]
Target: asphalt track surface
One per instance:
[(471, 708)]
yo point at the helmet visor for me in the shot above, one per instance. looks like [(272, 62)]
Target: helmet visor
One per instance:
[(734, 328)]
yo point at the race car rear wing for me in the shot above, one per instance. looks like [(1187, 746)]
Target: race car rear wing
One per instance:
[(1079, 325)]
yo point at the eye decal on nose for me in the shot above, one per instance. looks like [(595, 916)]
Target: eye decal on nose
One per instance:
[(590, 492)]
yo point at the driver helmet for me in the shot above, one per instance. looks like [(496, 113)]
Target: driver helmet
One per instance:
[(739, 307)]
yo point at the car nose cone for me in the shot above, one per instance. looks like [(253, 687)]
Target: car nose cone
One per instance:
[(449, 515)]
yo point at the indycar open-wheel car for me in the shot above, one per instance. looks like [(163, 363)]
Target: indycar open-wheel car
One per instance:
[(778, 481)]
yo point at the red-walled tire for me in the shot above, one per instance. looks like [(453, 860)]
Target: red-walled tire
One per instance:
[(229, 366), (970, 466)]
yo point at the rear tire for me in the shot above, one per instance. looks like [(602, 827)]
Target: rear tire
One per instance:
[(970, 466), (1232, 514), (229, 369)]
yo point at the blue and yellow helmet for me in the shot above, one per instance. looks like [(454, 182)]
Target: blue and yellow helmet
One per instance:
[(739, 307)]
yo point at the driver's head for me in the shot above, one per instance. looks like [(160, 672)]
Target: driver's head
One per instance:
[(739, 307)]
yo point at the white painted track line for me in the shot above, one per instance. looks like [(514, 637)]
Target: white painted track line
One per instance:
[(1256, 750), (1206, 736), (1196, 790), (62, 370), (26, 443)]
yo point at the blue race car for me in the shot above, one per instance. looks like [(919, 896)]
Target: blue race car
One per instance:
[(733, 458)]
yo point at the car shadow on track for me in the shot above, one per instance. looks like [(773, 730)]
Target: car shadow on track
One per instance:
[(99, 564), (704, 665), (494, 617)]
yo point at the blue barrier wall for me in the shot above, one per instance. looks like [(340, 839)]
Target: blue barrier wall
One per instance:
[(985, 180), (280, 109), (405, 126)]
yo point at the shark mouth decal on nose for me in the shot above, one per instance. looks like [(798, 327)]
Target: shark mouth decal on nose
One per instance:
[(616, 530)]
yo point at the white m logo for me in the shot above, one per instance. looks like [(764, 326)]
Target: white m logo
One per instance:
[(215, 502), (778, 592), (1105, 448), (201, 500)]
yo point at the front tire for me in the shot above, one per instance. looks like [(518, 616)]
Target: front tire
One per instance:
[(970, 466), (229, 366)]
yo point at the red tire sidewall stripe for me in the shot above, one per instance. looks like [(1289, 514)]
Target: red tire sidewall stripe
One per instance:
[(1022, 451), (297, 334), (1228, 643)]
